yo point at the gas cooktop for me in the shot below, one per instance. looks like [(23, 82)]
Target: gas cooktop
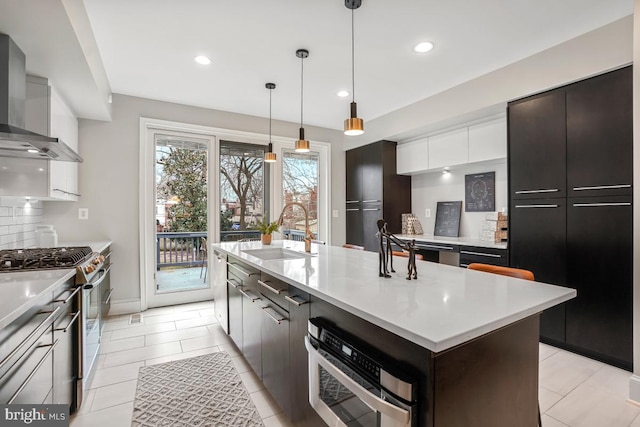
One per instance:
[(42, 258)]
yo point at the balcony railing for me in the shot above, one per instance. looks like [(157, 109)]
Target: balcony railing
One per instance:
[(186, 249)]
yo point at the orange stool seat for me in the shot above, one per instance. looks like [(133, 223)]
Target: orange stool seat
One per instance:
[(505, 271)]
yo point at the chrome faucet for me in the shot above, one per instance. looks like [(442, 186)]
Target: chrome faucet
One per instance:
[(309, 236)]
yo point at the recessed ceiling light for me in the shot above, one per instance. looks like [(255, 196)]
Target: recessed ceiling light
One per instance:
[(40, 169), (343, 94), (203, 60), (423, 47), (31, 150)]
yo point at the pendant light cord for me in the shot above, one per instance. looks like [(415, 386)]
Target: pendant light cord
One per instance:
[(270, 90), (301, 88), (353, 66)]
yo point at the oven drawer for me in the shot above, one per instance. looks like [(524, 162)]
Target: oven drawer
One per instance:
[(478, 254)]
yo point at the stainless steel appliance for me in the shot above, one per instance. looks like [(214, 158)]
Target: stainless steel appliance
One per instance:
[(15, 141), (353, 384), (92, 275)]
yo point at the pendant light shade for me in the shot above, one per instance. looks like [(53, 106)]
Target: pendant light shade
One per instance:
[(354, 125), (270, 156), (302, 145)]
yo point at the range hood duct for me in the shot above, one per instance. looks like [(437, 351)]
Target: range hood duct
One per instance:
[(15, 141)]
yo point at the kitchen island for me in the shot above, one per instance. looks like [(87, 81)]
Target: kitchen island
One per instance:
[(472, 336)]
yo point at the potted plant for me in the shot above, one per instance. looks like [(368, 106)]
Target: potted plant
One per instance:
[(266, 228)]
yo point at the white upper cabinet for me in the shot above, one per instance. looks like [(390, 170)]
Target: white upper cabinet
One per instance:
[(470, 144), (449, 149), (488, 141), (412, 157), (63, 176)]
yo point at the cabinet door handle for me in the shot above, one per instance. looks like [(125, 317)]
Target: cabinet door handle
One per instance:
[(49, 318), (353, 201), (549, 190), (295, 299), (352, 209), (241, 270), (370, 201), (109, 296), (371, 209), (65, 329), (464, 265), (443, 248), (233, 283), (597, 205), (33, 373), (536, 206), (602, 187), (274, 315), (249, 295), (481, 254), (271, 288), (70, 297)]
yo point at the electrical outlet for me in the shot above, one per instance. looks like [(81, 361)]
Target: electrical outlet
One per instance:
[(427, 213), (335, 213), (83, 213)]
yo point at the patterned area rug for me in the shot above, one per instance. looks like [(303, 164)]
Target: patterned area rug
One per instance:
[(201, 391)]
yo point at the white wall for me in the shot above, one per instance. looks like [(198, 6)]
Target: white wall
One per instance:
[(109, 179), (593, 53), (18, 222), (429, 189)]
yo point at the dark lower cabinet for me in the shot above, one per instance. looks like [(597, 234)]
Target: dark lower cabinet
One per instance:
[(354, 220), (276, 372), (537, 242), (251, 336), (235, 311), (600, 268)]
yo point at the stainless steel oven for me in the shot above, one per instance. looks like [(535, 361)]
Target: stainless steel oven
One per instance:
[(353, 384)]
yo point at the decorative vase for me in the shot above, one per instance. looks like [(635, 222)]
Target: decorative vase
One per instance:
[(266, 239)]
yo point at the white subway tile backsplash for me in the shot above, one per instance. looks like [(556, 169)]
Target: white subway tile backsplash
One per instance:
[(18, 223)]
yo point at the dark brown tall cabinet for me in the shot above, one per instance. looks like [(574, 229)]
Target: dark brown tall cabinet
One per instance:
[(571, 211), (374, 191)]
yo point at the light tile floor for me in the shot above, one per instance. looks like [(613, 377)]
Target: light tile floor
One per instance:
[(574, 391)]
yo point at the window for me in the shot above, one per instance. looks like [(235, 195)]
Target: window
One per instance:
[(300, 177), (243, 193)]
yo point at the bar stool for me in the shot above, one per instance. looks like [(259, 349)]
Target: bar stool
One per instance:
[(350, 246), (511, 272)]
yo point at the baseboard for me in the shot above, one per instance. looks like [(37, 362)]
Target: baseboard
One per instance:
[(634, 388), (125, 306)]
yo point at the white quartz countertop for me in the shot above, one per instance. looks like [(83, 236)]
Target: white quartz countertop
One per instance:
[(461, 241), (444, 307), (20, 290)]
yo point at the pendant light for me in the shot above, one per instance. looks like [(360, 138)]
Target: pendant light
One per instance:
[(270, 156), (353, 125), (302, 145)]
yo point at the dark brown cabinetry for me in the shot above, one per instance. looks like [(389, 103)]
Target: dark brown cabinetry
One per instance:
[(493, 256), (537, 242), (600, 267), (538, 125), (581, 237), (374, 191), (600, 135)]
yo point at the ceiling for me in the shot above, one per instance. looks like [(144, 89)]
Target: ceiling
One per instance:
[(146, 49)]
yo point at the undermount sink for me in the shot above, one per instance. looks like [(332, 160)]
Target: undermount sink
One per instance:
[(276, 253)]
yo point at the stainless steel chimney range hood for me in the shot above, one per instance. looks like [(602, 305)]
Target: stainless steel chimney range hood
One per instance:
[(15, 141)]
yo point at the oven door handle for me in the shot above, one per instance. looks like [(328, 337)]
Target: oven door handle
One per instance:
[(92, 285), (398, 416)]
